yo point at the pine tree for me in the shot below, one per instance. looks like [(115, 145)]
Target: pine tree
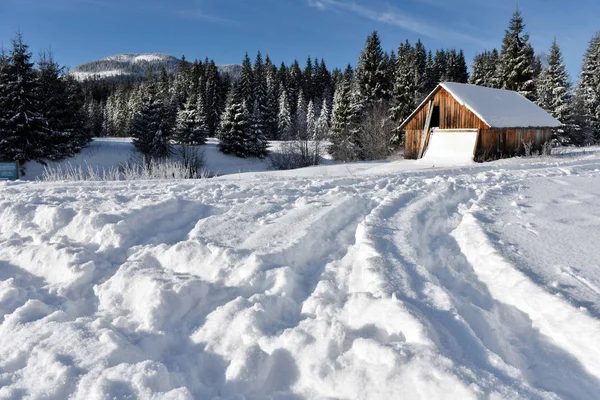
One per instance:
[(300, 126), (342, 146), (234, 132), (420, 66), (456, 67), (191, 127), (257, 145), (371, 74), (484, 69), (246, 82), (24, 133), (554, 90), (284, 118), (586, 105), (294, 86), (322, 128), (271, 106), (149, 128), (516, 70), (403, 94), (213, 98), (311, 120), (429, 81), (440, 66)]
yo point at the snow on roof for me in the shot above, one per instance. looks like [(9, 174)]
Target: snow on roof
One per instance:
[(500, 108)]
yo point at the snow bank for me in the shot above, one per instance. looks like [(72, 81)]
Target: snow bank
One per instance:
[(367, 281)]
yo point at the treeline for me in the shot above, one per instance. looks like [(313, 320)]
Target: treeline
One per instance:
[(269, 102), (41, 109), (546, 82), (358, 111)]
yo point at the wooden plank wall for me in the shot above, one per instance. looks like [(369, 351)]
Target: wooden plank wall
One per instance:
[(498, 143), (493, 143)]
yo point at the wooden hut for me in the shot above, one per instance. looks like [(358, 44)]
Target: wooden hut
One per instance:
[(505, 123)]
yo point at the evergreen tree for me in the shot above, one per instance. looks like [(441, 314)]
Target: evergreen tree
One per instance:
[(271, 106), (342, 146), (311, 120), (322, 128), (516, 70), (429, 81), (484, 69), (371, 74), (554, 90), (284, 118), (246, 82), (420, 66), (456, 67), (440, 66), (149, 128), (213, 98), (403, 95), (294, 86), (235, 125), (192, 125), (257, 144), (24, 134), (300, 125), (587, 97)]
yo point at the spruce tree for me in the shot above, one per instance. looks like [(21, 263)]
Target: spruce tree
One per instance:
[(257, 144), (403, 94), (191, 127), (246, 82), (429, 81), (150, 131), (371, 74), (554, 90), (24, 133), (587, 97), (322, 128), (516, 70), (213, 98), (284, 118), (342, 146), (271, 106), (300, 125), (311, 121), (234, 132)]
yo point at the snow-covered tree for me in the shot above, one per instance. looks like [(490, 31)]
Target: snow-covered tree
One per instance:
[(284, 118), (370, 76), (234, 132), (554, 90), (300, 126), (150, 129), (322, 128), (342, 145), (403, 94), (257, 144), (23, 131), (586, 105), (517, 66), (311, 120), (484, 69)]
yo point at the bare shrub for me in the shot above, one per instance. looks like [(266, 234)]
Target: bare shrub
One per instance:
[(296, 154), (375, 133), (527, 148)]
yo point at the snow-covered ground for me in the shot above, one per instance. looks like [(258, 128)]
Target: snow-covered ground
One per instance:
[(356, 281)]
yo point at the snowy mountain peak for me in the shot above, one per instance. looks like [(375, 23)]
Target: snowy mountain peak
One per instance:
[(136, 65)]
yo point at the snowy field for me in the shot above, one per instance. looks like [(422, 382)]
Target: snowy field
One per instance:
[(359, 281)]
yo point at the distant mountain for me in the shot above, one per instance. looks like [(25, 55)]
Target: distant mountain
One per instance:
[(137, 65)]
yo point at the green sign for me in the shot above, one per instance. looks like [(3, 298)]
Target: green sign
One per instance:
[(9, 171)]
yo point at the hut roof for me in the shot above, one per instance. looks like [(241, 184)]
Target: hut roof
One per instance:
[(496, 107)]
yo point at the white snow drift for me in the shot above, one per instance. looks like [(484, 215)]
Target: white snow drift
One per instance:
[(361, 281)]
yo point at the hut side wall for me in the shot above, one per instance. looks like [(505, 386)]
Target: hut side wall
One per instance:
[(453, 115), (498, 143)]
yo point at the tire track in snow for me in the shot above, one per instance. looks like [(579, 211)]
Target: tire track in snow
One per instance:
[(467, 323)]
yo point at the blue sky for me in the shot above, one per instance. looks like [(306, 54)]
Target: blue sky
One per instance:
[(78, 31)]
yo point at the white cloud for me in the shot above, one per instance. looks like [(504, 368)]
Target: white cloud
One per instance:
[(397, 18)]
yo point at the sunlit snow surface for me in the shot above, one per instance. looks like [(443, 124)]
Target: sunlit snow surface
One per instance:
[(357, 281)]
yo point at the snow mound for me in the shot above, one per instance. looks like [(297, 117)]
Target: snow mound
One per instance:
[(378, 282), (448, 148)]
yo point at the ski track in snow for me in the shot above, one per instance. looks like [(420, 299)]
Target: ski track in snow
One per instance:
[(367, 287)]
